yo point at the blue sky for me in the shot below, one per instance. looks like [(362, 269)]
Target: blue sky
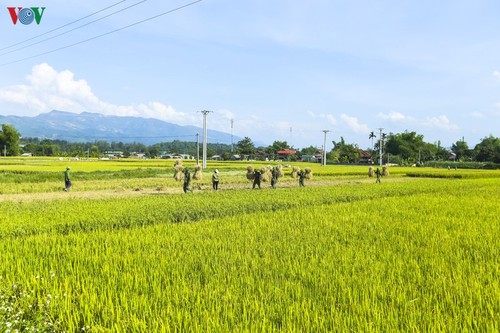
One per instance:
[(281, 70)]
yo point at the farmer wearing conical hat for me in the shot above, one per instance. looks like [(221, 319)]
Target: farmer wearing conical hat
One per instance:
[(67, 180), (215, 180)]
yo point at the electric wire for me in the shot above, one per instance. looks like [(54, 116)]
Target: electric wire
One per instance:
[(104, 34), (79, 27), (62, 26)]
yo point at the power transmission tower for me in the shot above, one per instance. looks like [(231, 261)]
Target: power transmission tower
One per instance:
[(324, 147), (204, 162)]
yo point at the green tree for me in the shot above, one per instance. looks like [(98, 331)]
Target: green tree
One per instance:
[(488, 150), (9, 140), (30, 148), (311, 150), (372, 136), (245, 146), (94, 151), (154, 151), (272, 150), (408, 145), (461, 150), (344, 152)]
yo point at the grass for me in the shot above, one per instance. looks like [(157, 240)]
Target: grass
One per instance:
[(342, 254)]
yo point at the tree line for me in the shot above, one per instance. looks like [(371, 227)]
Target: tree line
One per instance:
[(407, 148)]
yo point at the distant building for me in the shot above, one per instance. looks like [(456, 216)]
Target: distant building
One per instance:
[(113, 154), (308, 158), (138, 155), (365, 157), (177, 156), (260, 155), (286, 153)]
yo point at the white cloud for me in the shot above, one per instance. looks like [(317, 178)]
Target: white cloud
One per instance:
[(48, 89), (331, 119), (393, 116), (477, 115), (353, 123), (441, 122), (496, 74), (226, 114), (328, 117)]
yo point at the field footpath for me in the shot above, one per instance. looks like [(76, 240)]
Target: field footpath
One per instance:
[(121, 192)]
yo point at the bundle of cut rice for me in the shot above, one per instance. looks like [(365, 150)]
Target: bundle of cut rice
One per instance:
[(265, 173), (178, 175), (250, 174), (197, 173), (295, 171), (385, 171), (370, 172), (281, 173), (309, 173)]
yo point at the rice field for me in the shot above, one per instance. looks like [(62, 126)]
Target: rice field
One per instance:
[(127, 251)]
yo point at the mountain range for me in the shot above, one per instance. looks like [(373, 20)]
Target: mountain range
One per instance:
[(90, 127)]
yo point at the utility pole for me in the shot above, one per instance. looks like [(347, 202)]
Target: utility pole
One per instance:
[(204, 162), (380, 147), (324, 147), (232, 123), (197, 148)]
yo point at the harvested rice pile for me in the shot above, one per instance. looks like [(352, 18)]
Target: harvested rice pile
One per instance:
[(370, 172), (385, 171), (178, 175), (198, 175), (295, 171), (250, 174), (266, 174), (281, 173), (309, 173)]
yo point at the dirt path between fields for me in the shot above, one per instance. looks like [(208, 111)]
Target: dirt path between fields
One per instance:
[(122, 193)]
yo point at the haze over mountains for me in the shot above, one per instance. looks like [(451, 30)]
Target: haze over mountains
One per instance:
[(90, 127)]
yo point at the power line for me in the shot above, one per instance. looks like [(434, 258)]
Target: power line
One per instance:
[(62, 26), (68, 31), (102, 35)]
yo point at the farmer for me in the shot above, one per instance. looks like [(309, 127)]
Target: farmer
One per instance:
[(256, 179), (215, 180), (67, 180), (187, 181), (302, 176), (275, 173), (379, 174)]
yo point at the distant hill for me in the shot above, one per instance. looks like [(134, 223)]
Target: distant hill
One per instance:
[(89, 127)]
